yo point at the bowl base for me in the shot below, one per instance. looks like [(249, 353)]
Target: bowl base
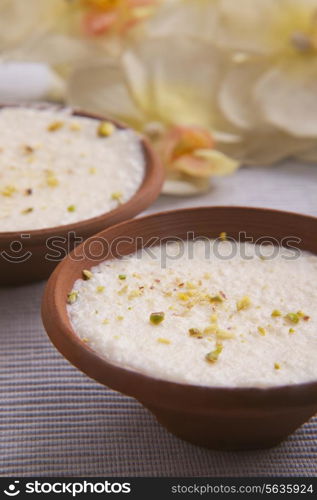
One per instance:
[(234, 430)]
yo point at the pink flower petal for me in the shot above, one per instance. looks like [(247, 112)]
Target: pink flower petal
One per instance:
[(98, 23)]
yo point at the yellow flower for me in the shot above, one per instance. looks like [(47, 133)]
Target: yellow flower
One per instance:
[(166, 88)]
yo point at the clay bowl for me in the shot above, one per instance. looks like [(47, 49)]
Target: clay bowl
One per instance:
[(24, 255), (219, 418)]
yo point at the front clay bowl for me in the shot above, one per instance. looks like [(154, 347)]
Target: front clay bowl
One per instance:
[(219, 418), (27, 256)]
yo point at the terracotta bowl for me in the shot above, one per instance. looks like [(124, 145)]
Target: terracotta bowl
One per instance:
[(219, 418), (23, 255)]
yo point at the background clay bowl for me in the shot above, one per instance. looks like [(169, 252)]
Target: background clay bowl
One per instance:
[(221, 418), (23, 255)]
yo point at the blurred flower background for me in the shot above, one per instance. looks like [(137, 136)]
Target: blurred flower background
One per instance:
[(214, 84)]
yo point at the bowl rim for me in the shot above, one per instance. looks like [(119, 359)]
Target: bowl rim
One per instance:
[(169, 393), (152, 182)]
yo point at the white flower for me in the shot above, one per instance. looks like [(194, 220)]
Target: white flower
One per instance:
[(20, 20), (166, 88), (190, 18), (273, 79)]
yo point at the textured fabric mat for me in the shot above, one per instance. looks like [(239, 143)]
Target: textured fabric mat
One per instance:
[(55, 421)]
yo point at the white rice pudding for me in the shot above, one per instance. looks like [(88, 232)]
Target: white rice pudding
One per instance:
[(219, 322), (58, 169)]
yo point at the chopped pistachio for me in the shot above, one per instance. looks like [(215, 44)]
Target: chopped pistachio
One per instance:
[(87, 275), (293, 317), (71, 208), (157, 317), (162, 340), (55, 126), (130, 308), (134, 293), (27, 211), (183, 296), (213, 356), (92, 170), (120, 318), (190, 285), (195, 332), (122, 276), (8, 191), (105, 322), (72, 297), (105, 129), (261, 331), (276, 313), (303, 315), (136, 275), (243, 303), (117, 196), (52, 181), (210, 329), (216, 298), (223, 236), (291, 330), (75, 126), (123, 290), (277, 366), (100, 289), (28, 149), (224, 334)]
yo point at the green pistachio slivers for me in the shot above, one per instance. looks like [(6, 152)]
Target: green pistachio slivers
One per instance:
[(293, 317), (87, 275), (213, 356), (72, 297), (157, 317), (243, 303), (195, 332), (27, 211), (216, 298), (276, 313), (105, 129)]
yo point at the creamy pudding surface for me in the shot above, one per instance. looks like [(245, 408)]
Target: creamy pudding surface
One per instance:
[(58, 169), (234, 315)]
